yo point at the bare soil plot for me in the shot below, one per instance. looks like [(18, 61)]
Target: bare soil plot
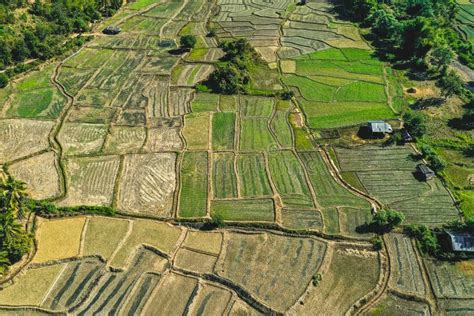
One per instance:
[(124, 139), (340, 287), (147, 184), (194, 185), (90, 180), (406, 272), (103, 235), (17, 140), (268, 265), (155, 234), (40, 173), (82, 138), (59, 239), (163, 139)]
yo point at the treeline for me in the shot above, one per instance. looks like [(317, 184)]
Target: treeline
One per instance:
[(418, 31), (42, 29)]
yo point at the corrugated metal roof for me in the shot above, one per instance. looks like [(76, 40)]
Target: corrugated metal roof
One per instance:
[(379, 127), (462, 241)]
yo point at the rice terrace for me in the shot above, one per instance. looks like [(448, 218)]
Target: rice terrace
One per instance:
[(236, 157)]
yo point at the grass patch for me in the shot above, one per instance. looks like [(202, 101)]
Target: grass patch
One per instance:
[(244, 210), (255, 135), (194, 177), (223, 130), (252, 176)]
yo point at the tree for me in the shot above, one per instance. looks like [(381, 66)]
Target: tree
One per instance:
[(385, 25), (451, 84), (3, 80), (415, 123), (218, 221), (386, 220), (188, 41), (227, 80), (440, 58)]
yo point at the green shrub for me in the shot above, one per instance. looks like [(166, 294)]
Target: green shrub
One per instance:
[(3, 80), (188, 41)]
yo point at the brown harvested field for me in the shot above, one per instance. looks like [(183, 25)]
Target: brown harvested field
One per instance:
[(103, 235), (267, 265), (195, 261), (58, 239), (211, 300), (90, 180), (17, 139), (346, 277), (144, 232), (163, 138), (147, 184), (207, 242), (40, 173), (450, 280), (393, 305), (268, 53), (172, 296), (31, 287), (239, 308), (288, 66), (77, 138), (124, 139)]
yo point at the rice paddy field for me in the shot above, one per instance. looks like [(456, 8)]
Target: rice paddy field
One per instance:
[(123, 123)]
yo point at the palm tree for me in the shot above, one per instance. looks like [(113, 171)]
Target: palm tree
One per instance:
[(4, 262), (12, 195)]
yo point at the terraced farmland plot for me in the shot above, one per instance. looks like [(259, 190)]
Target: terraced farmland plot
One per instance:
[(281, 126), (255, 135), (17, 141), (223, 130), (251, 210), (196, 130), (388, 174), (449, 280), (336, 278), (147, 184), (407, 273), (34, 96), (224, 179), (253, 177), (82, 138), (90, 180), (261, 263), (194, 185), (40, 173), (290, 179)]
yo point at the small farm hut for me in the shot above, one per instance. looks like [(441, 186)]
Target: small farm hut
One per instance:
[(111, 30), (425, 172), (379, 127), (406, 136), (462, 241)]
